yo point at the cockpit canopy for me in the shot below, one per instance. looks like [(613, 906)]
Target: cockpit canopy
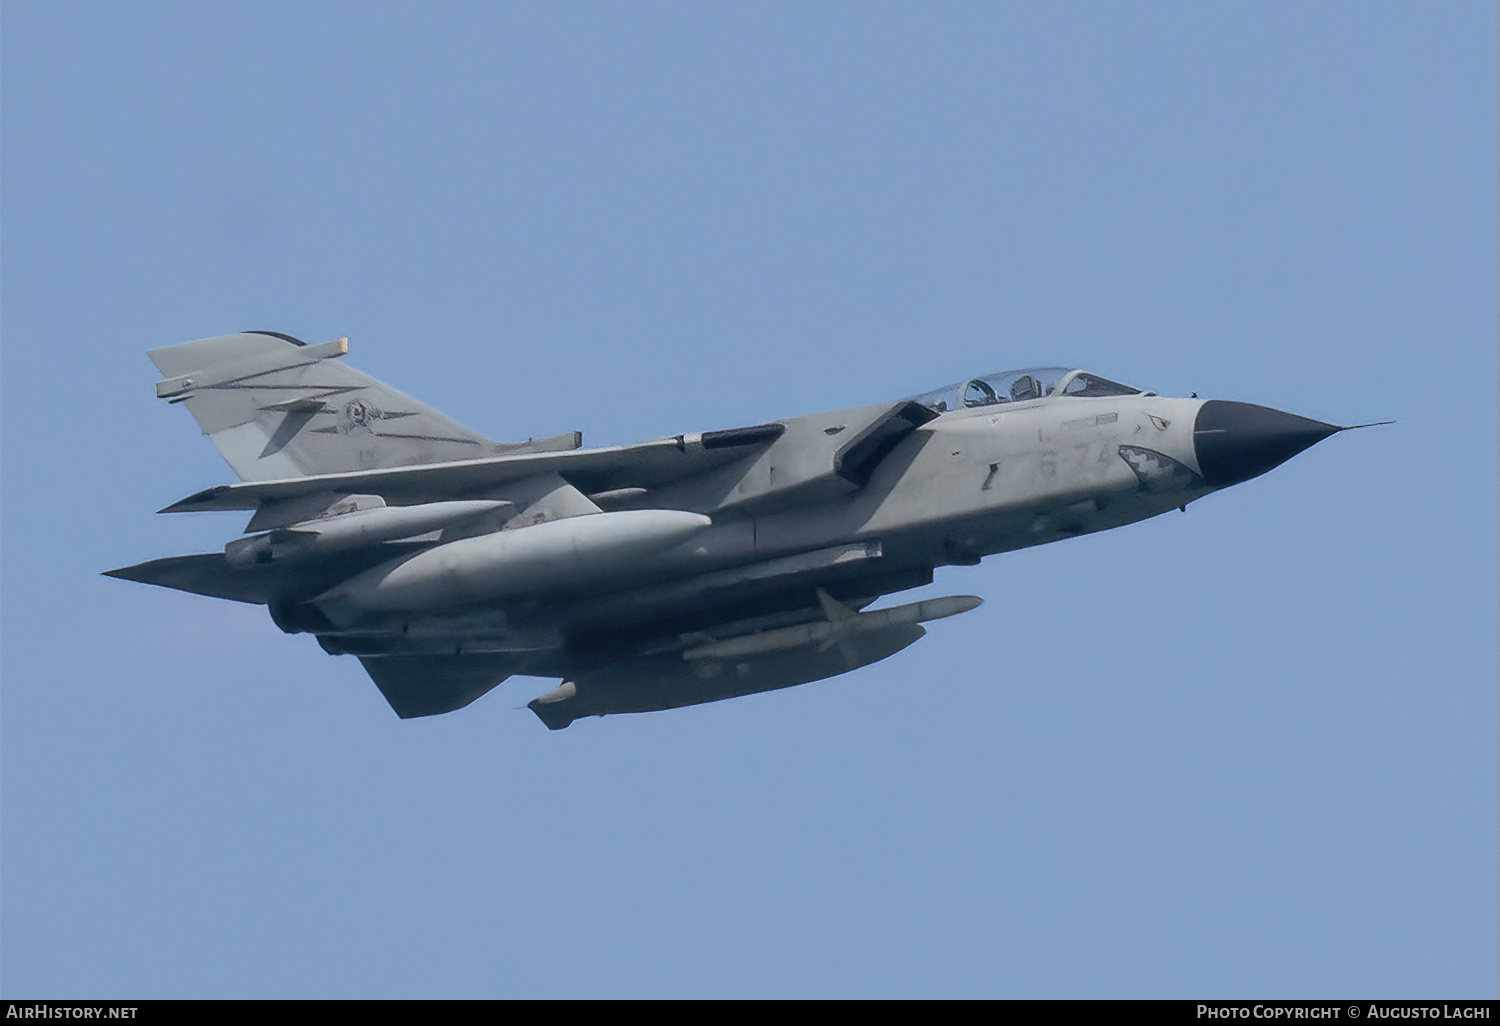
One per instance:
[(1018, 386)]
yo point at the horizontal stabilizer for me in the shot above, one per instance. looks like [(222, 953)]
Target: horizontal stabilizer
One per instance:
[(209, 573), (426, 685), (206, 573)]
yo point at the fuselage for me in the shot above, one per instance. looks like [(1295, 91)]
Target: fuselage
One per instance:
[(969, 483), (977, 482), (670, 572)]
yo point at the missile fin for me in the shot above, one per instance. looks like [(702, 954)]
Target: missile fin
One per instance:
[(833, 608)]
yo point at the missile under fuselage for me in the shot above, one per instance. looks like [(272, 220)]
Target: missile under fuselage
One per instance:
[(833, 630), (314, 539), (665, 681), (538, 559)]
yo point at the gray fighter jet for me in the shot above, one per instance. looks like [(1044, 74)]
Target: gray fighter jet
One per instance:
[(676, 571)]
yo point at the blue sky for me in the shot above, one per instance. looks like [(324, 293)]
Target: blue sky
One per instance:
[(1248, 751)]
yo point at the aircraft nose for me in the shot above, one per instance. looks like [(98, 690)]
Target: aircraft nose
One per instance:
[(1238, 441)]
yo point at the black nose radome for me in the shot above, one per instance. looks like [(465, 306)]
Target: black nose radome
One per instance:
[(1238, 441)]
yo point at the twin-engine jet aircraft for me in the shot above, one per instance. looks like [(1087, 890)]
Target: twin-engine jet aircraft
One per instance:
[(669, 573)]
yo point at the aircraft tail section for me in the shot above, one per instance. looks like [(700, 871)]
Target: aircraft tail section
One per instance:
[(277, 408)]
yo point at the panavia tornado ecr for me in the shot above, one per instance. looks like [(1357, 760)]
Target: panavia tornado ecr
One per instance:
[(675, 571)]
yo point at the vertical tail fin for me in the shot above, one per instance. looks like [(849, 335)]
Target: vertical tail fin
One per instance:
[(275, 407)]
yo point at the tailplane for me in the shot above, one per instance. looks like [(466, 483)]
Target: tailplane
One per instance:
[(278, 408)]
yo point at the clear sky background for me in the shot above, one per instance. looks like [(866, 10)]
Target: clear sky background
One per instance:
[(1246, 751)]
